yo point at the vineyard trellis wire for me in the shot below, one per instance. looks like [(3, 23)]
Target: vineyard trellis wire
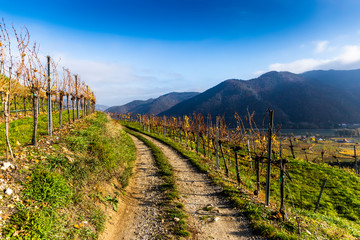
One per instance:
[(24, 76)]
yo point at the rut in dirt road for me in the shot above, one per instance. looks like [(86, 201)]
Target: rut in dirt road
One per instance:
[(139, 215), (211, 216)]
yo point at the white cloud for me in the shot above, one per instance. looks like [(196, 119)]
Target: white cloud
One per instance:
[(347, 58), (351, 54), (321, 46), (299, 66)]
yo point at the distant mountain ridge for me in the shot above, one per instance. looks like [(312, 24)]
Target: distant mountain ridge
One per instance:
[(153, 106), (99, 107), (315, 99)]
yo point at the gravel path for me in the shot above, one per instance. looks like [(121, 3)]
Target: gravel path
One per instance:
[(211, 216), (139, 215)]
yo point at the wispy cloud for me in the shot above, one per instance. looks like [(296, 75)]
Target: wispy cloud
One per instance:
[(321, 46)]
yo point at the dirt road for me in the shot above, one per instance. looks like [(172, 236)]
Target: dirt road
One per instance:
[(138, 215), (211, 216)]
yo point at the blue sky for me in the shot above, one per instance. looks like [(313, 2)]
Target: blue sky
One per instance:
[(137, 49)]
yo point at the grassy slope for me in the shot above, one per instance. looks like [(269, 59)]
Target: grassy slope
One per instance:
[(62, 196), (338, 214)]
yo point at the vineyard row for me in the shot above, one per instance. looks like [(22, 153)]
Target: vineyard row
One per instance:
[(28, 83), (236, 151)]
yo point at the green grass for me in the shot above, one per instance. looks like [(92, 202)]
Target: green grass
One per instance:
[(21, 130), (336, 218), (174, 209), (50, 188), (55, 199), (34, 223)]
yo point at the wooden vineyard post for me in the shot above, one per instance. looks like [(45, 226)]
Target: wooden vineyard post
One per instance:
[(84, 107), (292, 148), (76, 96), (87, 101), (236, 150), (217, 144), (322, 155), (68, 107), (268, 170), (280, 147), (225, 164), (73, 107), (80, 105), (321, 192), (356, 163), (61, 99), (49, 98), (36, 110)]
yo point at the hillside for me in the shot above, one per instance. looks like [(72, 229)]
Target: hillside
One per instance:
[(316, 99), (153, 106), (50, 189)]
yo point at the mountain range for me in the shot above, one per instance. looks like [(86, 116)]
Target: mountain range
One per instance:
[(315, 99), (153, 106)]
